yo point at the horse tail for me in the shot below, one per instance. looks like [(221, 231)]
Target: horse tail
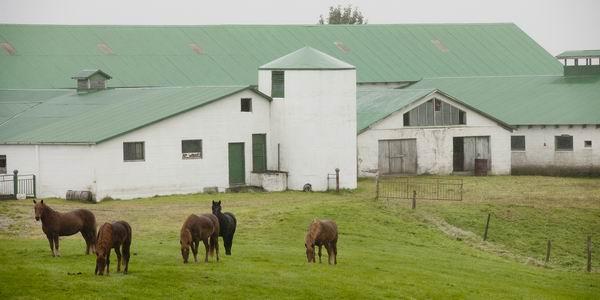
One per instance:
[(211, 244)]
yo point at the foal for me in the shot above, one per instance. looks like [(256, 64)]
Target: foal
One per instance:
[(321, 233), (55, 224), (118, 236), (203, 228)]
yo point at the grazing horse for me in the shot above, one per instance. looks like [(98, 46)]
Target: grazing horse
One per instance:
[(113, 236), (203, 228), (55, 224), (227, 223), (321, 233)]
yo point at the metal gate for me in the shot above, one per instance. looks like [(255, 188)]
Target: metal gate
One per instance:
[(12, 185), (426, 188)]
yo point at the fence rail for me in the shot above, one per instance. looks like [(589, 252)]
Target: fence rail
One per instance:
[(12, 185), (426, 188)]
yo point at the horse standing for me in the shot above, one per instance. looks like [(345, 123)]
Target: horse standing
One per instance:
[(203, 228), (55, 224), (321, 233), (113, 236), (227, 223)]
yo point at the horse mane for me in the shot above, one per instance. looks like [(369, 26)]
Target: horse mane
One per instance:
[(185, 236), (104, 239), (313, 231)]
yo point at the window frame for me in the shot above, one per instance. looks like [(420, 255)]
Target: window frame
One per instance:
[(587, 144), (137, 159), (3, 170), (247, 101), (186, 155), (512, 148), (556, 146), (280, 92)]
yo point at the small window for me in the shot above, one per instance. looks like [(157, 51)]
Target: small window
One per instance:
[(277, 84), (462, 117), (191, 149), (2, 164), (517, 143), (133, 151), (246, 104), (586, 144), (437, 105), (563, 143), (406, 119)]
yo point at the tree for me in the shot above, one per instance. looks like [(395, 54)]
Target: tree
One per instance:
[(343, 15)]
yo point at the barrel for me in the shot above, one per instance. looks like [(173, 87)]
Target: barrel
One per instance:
[(481, 167), (79, 195)]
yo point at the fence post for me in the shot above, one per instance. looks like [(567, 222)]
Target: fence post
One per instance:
[(377, 187), (548, 248), (487, 224), (414, 200), (337, 180), (589, 253), (15, 183), (34, 193)]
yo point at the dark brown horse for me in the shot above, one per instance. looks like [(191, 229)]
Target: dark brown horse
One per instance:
[(203, 228), (321, 233), (55, 224), (227, 224), (113, 236)]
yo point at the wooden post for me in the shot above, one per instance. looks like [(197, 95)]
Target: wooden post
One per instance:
[(589, 253), (337, 180), (414, 200), (548, 248), (487, 224), (377, 187), (15, 183), (34, 192)]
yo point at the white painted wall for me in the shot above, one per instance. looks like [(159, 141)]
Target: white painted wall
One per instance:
[(540, 148), (434, 143), (315, 125)]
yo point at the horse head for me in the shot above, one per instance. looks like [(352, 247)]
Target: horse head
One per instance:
[(216, 207), (185, 242), (39, 209), (100, 260), (309, 244)]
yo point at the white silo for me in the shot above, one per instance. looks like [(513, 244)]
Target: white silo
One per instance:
[(313, 117)]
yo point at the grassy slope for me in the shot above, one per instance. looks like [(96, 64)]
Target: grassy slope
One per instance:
[(384, 251)]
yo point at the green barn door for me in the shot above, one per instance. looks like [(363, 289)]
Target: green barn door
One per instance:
[(259, 153), (237, 172)]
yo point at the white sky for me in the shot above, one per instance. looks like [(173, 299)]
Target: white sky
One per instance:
[(557, 25)]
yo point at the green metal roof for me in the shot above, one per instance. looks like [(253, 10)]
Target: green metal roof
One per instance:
[(88, 73), (46, 56), (373, 105), (307, 58), (526, 100), (68, 117), (579, 54)]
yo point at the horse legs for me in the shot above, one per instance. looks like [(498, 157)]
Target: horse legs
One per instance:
[(205, 241), (51, 242), (56, 244), (334, 248), (228, 241), (107, 262), (216, 241), (329, 252), (88, 244), (195, 250), (320, 253), (118, 252)]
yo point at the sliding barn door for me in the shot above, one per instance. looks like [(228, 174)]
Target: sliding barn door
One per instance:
[(476, 147), (398, 156)]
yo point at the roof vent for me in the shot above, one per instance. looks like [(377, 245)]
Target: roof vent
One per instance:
[(91, 80), (580, 62), (196, 48), (104, 48), (438, 44), (10, 50)]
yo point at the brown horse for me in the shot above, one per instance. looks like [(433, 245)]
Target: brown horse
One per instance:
[(196, 228), (321, 233), (55, 224), (113, 236)]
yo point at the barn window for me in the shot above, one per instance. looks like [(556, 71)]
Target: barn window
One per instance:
[(462, 118), (2, 164), (259, 153), (437, 105), (435, 112), (191, 149), (246, 104), (133, 151), (563, 143), (277, 84), (587, 144), (406, 119), (517, 143)]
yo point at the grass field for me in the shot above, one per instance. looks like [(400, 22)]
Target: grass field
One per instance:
[(386, 250)]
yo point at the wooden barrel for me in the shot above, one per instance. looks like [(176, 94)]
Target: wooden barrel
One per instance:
[(79, 195), (481, 167)]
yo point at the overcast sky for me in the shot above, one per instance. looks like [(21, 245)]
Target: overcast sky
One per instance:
[(557, 25)]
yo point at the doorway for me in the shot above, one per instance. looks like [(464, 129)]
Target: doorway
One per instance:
[(397, 156), (237, 171)]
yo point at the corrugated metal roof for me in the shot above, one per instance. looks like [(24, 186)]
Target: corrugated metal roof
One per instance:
[(579, 54), (307, 58), (527, 100), (69, 117), (46, 56), (373, 105)]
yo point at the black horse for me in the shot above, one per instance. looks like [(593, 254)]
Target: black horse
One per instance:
[(227, 222)]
